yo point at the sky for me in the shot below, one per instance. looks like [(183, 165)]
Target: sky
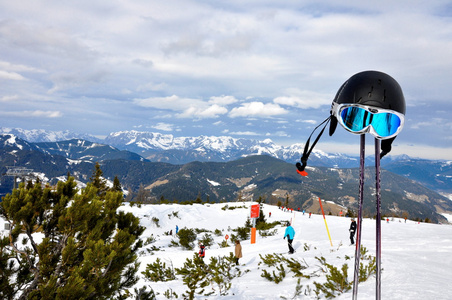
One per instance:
[(246, 69)]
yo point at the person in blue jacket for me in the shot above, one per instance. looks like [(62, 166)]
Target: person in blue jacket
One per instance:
[(289, 234)]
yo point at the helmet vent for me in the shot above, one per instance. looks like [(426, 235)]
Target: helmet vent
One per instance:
[(369, 95)]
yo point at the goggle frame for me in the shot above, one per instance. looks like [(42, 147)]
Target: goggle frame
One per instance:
[(337, 108)]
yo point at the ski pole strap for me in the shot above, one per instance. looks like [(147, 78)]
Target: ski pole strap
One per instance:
[(307, 151)]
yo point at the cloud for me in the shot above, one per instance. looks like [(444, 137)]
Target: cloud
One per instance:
[(212, 111), (278, 134), (151, 86), (173, 103), (163, 126), (9, 98), (312, 122), (186, 107), (18, 67), (219, 62), (143, 62), (246, 133), (11, 75), (223, 100), (33, 113), (257, 109), (303, 99)]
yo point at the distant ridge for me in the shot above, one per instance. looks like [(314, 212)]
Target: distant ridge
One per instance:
[(246, 178), (158, 147), (42, 135)]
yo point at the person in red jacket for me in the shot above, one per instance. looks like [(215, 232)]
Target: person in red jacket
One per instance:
[(202, 251)]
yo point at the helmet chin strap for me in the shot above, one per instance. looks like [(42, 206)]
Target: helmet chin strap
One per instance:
[(307, 151), (385, 145)]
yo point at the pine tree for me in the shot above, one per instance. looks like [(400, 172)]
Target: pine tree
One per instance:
[(67, 244), (98, 181), (116, 185)]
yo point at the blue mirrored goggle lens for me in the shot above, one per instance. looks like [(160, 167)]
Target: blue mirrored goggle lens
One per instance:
[(356, 119)]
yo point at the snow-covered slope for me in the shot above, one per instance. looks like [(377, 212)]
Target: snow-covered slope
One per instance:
[(416, 258)]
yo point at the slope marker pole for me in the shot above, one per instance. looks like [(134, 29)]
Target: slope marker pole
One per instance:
[(324, 219)]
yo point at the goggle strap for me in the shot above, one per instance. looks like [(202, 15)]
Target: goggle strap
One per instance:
[(307, 151)]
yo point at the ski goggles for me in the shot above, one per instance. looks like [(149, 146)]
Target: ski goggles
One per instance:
[(356, 118)]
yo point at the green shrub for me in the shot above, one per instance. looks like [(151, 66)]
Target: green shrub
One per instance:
[(276, 278), (243, 233), (151, 239), (207, 240), (336, 280), (266, 233), (186, 238), (205, 279), (174, 214), (278, 261), (169, 294), (267, 226), (158, 271), (368, 269), (298, 290), (194, 273), (223, 244), (201, 230)]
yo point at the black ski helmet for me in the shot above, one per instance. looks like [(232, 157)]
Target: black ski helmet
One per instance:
[(374, 89), (370, 88)]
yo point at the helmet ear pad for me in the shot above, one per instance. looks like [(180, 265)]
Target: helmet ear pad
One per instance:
[(333, 125)]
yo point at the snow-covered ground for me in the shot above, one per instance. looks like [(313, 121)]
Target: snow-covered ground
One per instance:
[(416, 257)]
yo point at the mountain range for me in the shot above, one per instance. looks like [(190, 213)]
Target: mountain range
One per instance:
[(160, 147), (157, 147), (252, 175)]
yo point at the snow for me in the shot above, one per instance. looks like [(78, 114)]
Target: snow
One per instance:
[(448, 217), (416, 257), (214, 183), (12, 141), (250, 187), (74, 161)]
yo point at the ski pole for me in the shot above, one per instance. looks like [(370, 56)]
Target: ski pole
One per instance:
[(360, 216), (378, 225)]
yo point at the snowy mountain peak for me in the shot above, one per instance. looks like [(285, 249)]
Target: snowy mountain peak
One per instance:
[(41, 135), (10, 141)]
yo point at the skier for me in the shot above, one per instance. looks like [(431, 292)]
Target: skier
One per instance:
[(352, 231), (238, 251), (290, 234), (202, 251), (177, 229)]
